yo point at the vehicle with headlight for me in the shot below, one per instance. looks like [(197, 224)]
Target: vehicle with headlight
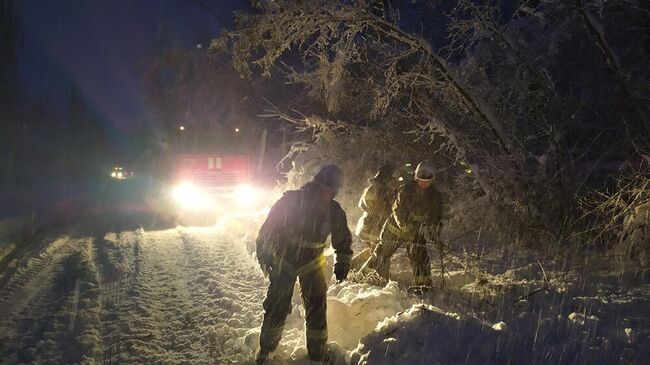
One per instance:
[(121, 173), (207, 183)]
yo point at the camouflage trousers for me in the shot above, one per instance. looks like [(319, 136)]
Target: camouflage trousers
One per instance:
[(417, 254)]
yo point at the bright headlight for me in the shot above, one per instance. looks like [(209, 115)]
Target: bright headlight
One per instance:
[(245, 195), (188, 196)]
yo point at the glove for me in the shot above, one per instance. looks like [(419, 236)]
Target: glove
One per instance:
[(341, 271)]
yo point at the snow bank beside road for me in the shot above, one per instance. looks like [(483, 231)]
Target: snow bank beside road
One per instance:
[(354, 310), (425, 334)]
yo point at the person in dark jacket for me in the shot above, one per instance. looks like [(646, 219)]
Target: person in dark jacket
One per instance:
[(290, 245), (376, 202), (416, 212)]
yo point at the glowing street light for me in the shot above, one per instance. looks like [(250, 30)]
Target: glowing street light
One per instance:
[(237, 130), (182, 127)]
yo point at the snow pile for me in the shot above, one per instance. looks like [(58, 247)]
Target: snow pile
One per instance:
[(354, 310), (429, 335), (425, 334)]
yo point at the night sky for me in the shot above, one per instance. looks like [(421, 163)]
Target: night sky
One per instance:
[(102, 47)]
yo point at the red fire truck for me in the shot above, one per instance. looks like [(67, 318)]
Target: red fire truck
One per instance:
[(213, 174), (213, 182)]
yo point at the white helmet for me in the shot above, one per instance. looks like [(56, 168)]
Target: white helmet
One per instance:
[(425, 170)]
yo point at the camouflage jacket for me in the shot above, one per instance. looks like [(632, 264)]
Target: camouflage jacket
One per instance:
[(376, 202), (415, 209)]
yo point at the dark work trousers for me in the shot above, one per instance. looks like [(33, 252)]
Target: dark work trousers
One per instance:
[(277, 305), (417, 254)]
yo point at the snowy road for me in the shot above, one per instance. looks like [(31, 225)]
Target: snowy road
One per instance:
[(188, 296), (173, 296), (193, 296)]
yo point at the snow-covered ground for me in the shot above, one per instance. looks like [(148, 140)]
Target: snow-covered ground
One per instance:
[(193, 296)]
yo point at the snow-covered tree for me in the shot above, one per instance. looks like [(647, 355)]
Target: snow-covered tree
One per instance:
[(527, 97)]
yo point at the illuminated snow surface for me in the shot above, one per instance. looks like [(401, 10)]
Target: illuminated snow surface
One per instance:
[(193, 296)]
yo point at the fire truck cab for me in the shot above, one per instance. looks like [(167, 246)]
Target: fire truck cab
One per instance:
[(207, 182), (212, 173)]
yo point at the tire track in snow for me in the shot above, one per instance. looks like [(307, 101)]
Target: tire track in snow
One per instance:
[(115, 256), (30, 286), (228, 288), (54, 313), (156, 321), (21, 286)]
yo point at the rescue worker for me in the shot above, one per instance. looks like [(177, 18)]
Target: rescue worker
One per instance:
[(290, 245), (416, 212), (376, 202)]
